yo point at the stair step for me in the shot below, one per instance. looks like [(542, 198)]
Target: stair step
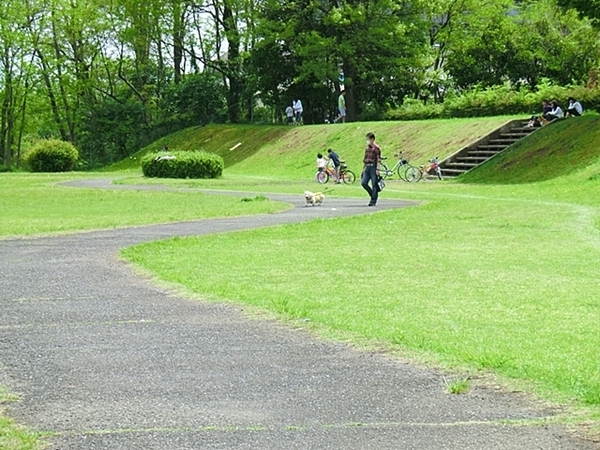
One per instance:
[(472, 158), (453, 171), (483, 152), (492, 147), (459, 165), (507, 141), (522, 130)]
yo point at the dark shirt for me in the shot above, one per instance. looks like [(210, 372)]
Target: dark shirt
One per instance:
[(372, 154), (335, 158), (547, 109)]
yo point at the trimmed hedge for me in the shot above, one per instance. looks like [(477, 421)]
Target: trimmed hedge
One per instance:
[(495, 101), (52, 155), (178, 164)]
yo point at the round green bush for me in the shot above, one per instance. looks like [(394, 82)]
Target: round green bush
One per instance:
[(52, 155), (182, 165)]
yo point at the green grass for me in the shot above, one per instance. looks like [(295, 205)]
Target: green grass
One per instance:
[(497, 278), (291, 151), (553, 151), (13, 436), (458, 386), (212, 138), (34, 204)]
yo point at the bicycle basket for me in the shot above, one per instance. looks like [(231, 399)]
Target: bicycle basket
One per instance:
[(343, 166)]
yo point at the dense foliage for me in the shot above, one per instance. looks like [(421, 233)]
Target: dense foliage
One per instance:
[(52, 155), (196, 164), (111, 76), (493, 101)]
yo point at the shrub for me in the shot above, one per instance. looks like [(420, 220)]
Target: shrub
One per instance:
[(52, 155), (495, 101), (182, 165)]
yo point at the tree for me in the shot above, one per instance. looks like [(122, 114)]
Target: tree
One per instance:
[(587, 8), (14, 81), (375, 44)]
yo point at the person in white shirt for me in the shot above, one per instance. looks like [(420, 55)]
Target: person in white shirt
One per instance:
[(556, 113), (298, 110), (321, 162), (575, 109), (289, 112)]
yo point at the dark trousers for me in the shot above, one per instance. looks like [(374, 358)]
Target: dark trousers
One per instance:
[(370, 174), (549, 117), (573, 112)]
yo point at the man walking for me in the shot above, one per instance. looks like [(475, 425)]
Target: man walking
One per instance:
[(371, 169), (341, 107)]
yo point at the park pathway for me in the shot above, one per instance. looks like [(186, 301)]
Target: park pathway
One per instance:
[(103, 359)]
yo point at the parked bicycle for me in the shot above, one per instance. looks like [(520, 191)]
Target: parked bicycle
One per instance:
[(416, 174), (400, 167), (346, 175)]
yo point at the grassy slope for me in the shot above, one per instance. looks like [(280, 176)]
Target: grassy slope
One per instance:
[(213, 138), (291, 151), (551, 152)]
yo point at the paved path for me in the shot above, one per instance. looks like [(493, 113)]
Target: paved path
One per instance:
[(108, 361)]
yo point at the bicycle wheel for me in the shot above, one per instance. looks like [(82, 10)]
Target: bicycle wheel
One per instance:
[(384, 171), (412, 174), (348, 177), (402, 171), (322, 177)]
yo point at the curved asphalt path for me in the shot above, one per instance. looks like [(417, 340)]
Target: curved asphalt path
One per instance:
[(105, 360)]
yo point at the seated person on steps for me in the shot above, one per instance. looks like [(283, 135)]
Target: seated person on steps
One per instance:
[(535, 120), (556, 113)]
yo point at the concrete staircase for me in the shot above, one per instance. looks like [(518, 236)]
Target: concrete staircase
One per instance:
[(483, 149)]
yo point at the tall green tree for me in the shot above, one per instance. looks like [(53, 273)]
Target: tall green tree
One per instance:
[(14, 79), (375, 44), (587, 8)]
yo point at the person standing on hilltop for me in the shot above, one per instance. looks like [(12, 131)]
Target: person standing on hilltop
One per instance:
[(341, 107), (298, 110), (289, 112)]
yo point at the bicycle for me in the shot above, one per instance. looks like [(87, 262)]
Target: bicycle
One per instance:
[(416, 174), (346, 175), (400, 167)]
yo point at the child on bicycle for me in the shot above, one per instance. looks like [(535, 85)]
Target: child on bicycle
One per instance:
[(322, 162)]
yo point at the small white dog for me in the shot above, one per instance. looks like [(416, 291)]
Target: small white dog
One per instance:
[(314, 198)]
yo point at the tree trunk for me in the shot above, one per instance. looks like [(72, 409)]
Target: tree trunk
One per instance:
[(51, 96), (178, 36), (234, 95), (351, 103), (7, 121)]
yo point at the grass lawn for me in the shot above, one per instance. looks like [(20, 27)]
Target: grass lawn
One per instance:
[(13, 436), (34, 204), (499, 278)]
